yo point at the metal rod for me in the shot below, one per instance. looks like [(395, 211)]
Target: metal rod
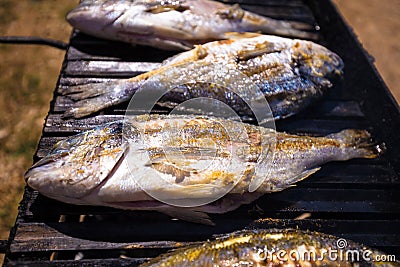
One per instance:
[(3, 246), (33, 40)]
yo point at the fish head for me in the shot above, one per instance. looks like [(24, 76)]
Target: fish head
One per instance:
[(138, 22), (316, 61), (96, 17), (79, 164)]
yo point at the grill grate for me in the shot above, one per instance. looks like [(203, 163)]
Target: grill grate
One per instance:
[(358, 199)]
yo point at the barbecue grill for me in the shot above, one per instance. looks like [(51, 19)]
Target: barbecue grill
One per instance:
[(357, 199)]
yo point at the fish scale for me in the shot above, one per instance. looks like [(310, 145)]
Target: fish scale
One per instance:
[(289, 81), (195, 163), (272, 247), (174, 25)]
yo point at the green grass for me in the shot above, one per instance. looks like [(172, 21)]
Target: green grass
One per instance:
[(28, 76)]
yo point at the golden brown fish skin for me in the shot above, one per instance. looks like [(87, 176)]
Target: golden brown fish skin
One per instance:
[(250, 248), (291, 74), (90, 155), (174, 25), (90, 168)]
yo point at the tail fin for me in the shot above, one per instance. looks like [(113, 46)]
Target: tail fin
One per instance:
[(83, 91), (292, 29), (252, 22), (358, 143), (97, 96)]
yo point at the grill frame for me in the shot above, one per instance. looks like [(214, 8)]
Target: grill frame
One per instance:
[(365, 205)]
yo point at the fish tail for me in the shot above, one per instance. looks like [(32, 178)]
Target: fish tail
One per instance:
[(82, 91), (94, 97), (292, 29), (299, 25), (85, 108), (358, 144)]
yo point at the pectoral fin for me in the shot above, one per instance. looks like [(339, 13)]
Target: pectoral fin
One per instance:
[(291, 181), (240, 35), (302, 176), (189, 215)]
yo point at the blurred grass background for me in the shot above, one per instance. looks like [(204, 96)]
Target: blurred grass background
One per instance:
[(28, 75), (377, 25)]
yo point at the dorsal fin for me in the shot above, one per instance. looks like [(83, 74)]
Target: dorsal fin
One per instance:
[(240, 35)]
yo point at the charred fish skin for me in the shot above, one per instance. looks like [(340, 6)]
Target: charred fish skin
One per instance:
[(174, 25), (91, 168), (260, 248), (291, 74)]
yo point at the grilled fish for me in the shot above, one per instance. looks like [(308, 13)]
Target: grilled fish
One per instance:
[(182, 159), (274, 247), (174, 25), (290, 73)]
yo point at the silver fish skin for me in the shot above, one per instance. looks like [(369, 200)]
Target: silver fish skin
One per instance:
[(91, 169), (174, 25), (290, 73), (272, 247)]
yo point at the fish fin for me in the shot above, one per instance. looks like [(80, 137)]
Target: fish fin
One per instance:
[(84, 108), (240, 35), (305, 174), (97, 96), (187, 214), (158, 42), (292, 29), (177, 161), (261, 49), (358, 144), (233, 12), (253, 22), (82, 91), (290, 182), (165, 6)]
